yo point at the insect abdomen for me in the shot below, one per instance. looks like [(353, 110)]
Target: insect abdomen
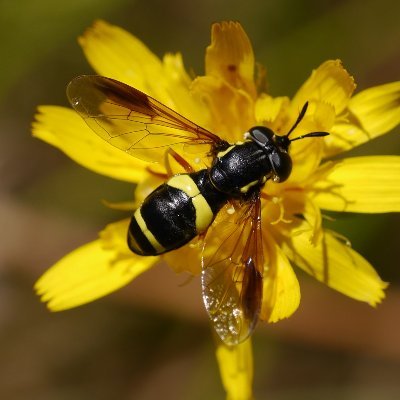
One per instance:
[(174, 213)]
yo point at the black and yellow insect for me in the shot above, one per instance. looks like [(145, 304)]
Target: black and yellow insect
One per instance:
[(185, 206)]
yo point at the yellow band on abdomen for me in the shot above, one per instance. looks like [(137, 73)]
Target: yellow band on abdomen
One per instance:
[(185, 183), (204, 214), (149, 236)]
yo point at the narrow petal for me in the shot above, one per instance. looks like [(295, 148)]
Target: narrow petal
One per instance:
[(91, 271), (115, 53), (297, 202), (377, 108), (281, 291), (178, 86), (272, 111), (344, 135), (236, 368), (306, 157), (232, 110), (312, 215), (330, 83), (230, 56), (66, 130), (336, 265), (372, 112), (360, 184)]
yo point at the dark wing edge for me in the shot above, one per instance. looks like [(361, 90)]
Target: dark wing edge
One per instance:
[(131, 120), (232, 275)]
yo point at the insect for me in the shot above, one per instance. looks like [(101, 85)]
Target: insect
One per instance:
[(185, 206)]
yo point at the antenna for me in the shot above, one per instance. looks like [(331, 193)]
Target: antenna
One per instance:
[(311, 134), (298, 120)]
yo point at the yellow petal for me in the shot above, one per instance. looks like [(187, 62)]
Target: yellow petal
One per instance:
[(236, 369), (115, 53), (377, 108), (372, 113), (66, 130), (232, 110), (336, 265), (186, 259), (146, 186), (344, 135), (281, 290), (306, 154), (178, 85), (312, 215), (92, 271), (330, 83), (272, 111), (306, 157), (368, 184), (174, 68), (297, 202), (113, 237), (230, 56)]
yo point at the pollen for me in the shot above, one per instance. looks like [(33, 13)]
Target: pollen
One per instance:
[(230, 210)]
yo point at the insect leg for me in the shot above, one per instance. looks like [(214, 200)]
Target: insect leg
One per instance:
[(179, 159)]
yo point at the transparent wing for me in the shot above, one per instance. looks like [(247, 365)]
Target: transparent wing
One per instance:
[(132, 121), (232, 272)]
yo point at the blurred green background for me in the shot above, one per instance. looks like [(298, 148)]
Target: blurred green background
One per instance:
[(151, 340)]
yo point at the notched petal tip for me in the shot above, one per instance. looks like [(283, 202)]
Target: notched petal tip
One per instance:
[(230, 56), (330, 83), (98, 28), (226, 28)]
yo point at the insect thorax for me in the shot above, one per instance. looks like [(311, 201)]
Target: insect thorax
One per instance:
[(240, 169)]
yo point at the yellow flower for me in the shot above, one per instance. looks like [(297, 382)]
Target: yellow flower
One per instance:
[(227, 101)]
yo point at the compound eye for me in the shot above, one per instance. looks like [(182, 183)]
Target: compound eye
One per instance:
[(261, 135), (281, 165)]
